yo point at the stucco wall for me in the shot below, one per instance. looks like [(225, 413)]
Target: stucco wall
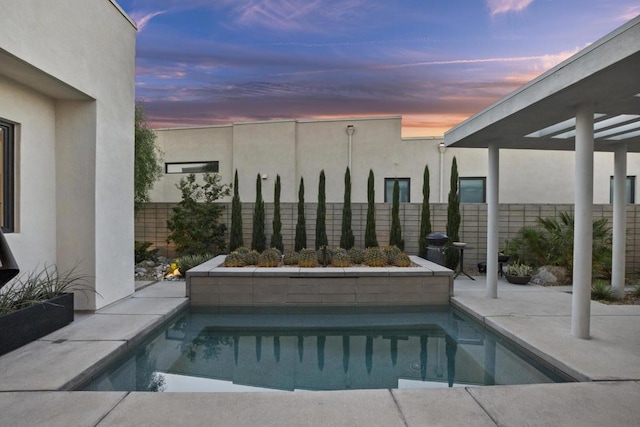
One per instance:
[(79, 55), (302, 148)]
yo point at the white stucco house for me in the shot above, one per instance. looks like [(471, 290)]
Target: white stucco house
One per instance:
[(66, 120), (297, 149)]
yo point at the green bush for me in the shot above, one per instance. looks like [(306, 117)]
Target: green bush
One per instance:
[(143, 253), (452, 255), (194, 226), (321, 215), (395, 236)]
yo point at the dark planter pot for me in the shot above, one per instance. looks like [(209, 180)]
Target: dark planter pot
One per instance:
[(518, 280), (31, 323)]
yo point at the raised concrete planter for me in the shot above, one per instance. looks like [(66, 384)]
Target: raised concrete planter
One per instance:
[(212, 285)]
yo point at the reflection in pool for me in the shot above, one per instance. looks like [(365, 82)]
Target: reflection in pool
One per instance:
[(273, 352)]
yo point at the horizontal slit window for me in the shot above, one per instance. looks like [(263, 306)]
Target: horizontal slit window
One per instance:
[(191, 167)]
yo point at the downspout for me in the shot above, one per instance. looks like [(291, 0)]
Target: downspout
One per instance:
[(442, 149), (350, 130)]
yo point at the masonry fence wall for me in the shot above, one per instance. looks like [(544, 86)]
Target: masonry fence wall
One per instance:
[(151, 225)]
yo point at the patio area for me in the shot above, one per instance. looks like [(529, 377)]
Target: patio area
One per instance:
[(536, 318)]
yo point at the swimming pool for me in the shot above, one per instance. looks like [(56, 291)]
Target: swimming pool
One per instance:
[(430, 347)]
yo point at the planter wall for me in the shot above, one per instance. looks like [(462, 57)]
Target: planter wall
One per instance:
[(210, 285), (31, 323)]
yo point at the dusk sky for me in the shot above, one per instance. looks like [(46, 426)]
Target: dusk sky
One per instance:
[(435, 62)]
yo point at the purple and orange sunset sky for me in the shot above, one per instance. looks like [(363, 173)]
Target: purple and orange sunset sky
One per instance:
[(435, 62)]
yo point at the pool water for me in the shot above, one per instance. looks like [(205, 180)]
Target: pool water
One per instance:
[(437, 347)]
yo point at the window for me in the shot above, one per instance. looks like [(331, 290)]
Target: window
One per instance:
[(191, 167), (473, 190), (6, 176), (404, 185), (631, 189)]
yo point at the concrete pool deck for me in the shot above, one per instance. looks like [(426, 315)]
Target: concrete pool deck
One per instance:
[(535, 317)]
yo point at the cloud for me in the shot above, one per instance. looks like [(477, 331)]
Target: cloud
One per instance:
[(497, 7), (629, 13), (142, 18)]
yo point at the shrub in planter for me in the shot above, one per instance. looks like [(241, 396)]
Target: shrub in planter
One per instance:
[(517, 273), (37, 304), (187, 262)]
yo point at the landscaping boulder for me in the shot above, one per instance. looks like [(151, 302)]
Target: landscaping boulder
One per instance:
[(552, 275)]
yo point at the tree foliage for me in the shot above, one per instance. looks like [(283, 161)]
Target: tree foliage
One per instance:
[(147, 159), (347, 240), (276, 237), (370, 238), (235, 237), (321, 216), (425, 218), (194, 226), (395, 235), (301, 227), (258, 239), (452, 255)]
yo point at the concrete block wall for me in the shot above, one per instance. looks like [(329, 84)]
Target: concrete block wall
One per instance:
[(151, 225)]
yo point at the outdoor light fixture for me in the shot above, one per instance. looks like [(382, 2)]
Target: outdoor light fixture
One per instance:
[(350, 130)]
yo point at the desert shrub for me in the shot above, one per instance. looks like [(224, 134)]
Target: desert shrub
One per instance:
[(234, 259), (187, 262), (356, 255), (308, 258), (290, 258), (270, 258), (551, 243), (340, 258), (601, 291), (375, 257)]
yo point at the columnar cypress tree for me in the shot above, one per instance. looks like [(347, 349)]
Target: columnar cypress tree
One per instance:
[(321, 227), (301, 230), (347, 239), (452, 255), (425, 221), (235, 236), (395, 236), (276, 237), (370, 238), (259, 240)]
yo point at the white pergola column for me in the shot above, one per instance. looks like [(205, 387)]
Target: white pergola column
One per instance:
[(493, 179), (583, 228), (619, 220)]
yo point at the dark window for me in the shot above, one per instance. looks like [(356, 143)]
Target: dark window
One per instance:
[(631, 189), (404, 185), (7, 177), (473, 190), (191, 167)]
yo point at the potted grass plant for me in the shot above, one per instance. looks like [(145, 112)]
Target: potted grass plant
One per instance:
[(37, 304), (518, 273)]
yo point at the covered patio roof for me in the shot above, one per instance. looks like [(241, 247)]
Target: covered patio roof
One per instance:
[(605, 74), (590, 102)]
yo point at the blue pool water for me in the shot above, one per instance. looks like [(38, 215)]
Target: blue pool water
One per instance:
[(438, 347)]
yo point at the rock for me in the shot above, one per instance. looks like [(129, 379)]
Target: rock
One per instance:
[(551, 275), (148, 263), (141, 271)]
